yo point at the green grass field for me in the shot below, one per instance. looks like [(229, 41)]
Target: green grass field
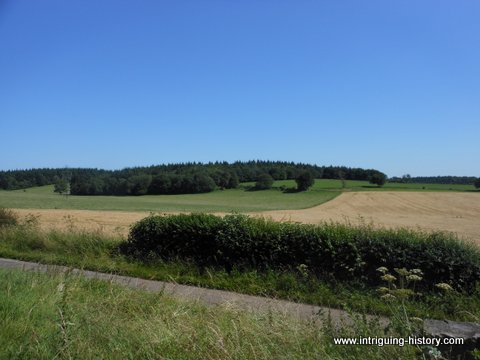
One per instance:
[(240, 200), (356, 185)]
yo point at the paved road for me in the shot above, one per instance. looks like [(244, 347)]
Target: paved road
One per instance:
[(207, 296)]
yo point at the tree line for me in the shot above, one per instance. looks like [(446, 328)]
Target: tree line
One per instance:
[(181, 178), (449, 180)]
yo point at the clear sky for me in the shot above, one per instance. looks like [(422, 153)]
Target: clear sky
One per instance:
[(392, 85)]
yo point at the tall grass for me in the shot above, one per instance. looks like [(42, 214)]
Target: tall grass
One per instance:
[(63, 317), (98, 251), (7, 217)]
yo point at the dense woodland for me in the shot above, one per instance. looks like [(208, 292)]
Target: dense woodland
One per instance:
[(185, 178), (450, 180)]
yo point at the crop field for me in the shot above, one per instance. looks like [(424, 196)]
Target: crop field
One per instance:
[(240, 200), (431, 211), (425, 206), (456, 213)]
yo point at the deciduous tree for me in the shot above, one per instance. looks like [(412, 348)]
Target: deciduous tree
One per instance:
[(378, 179), (264, 181), (304, 180), (477, 183), (61, 186)]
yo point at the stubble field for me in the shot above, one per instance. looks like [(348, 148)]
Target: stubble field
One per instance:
[(434, 211)]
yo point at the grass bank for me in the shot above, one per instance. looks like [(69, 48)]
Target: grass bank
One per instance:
[(98, 251), (60, 316)]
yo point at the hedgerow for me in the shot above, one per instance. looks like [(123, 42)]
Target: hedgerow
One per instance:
[(329, 251)]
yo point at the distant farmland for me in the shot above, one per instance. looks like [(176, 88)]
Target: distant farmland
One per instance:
[(453, 208), (240, 200)]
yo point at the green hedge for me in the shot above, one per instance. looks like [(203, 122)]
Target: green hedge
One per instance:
[(330, 251)]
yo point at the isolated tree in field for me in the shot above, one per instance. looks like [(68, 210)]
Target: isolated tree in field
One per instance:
[(477, 183), (304, 180), (378, 179), (264, 181), (61, 186)]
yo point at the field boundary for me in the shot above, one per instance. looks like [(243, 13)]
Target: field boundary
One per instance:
[(210, 297)]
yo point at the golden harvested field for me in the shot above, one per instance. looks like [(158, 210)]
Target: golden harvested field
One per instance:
[(455, 212), (108, 221)]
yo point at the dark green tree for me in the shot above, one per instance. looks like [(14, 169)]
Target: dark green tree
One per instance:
[(477, 183), (79, 185), (202, 183), (224, 179), (264, 182), (304, 180), (233, 181), (139, 184), (88, 181), (96, 186), (61, 186), (378, 179), (161, 184), (278, 173)]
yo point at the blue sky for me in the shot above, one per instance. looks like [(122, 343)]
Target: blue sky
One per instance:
[(392, 85)]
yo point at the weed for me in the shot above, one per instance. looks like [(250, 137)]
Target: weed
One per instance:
[(8, 217)]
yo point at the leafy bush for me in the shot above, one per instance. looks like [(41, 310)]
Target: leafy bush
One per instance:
[(304, 180), (8, 217), (330, 251)]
